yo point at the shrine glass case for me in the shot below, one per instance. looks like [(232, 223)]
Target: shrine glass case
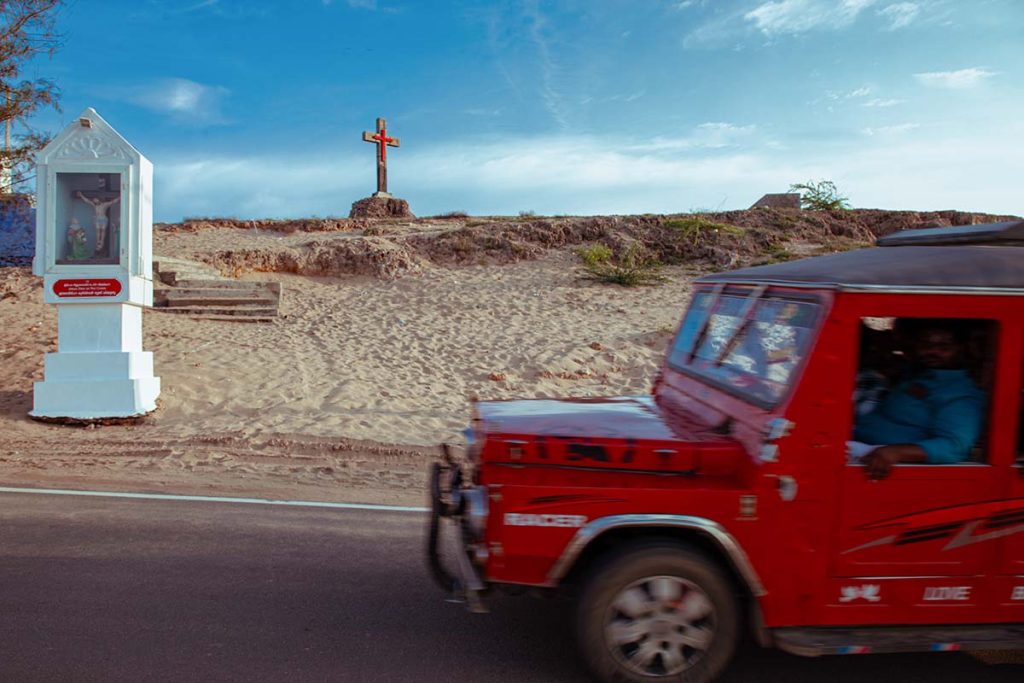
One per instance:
[(88, 213)]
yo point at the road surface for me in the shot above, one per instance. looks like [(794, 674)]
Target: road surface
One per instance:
[(99, 589)]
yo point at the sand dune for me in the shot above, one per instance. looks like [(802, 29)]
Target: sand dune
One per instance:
[(345, 395), (390, 362)]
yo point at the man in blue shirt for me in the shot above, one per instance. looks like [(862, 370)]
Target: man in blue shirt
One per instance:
[(933, 417)]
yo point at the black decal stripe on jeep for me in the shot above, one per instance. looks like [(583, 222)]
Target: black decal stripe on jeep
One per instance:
[(579, 451), (1004, 519), (630, 451), (573, 498), (928, 533), (922, 539), (970, 511)]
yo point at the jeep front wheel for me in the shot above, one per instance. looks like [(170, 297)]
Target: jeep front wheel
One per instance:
[(658, 613)]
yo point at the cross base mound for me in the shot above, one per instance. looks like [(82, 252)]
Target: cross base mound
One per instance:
[(381, 205)]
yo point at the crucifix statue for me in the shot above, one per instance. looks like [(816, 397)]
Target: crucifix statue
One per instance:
[(383, 142)]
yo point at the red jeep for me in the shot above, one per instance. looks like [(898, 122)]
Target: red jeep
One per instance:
[(738, 494)]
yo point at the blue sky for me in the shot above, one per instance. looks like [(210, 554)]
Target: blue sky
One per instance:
[(252, 108)]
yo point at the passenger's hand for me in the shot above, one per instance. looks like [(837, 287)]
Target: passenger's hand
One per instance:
[(878, 463)]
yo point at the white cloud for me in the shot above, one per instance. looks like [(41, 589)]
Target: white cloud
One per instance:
[(368, 5), (706, 136), (780, 17), (961, 79), (891, 130), (837, 95), (891, 168), (882, 103), (178, 97), (203, 4), (482, 111), (900, 14), (550, 94)]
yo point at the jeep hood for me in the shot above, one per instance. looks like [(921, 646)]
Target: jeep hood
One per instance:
[(626, 433), (626, 417)]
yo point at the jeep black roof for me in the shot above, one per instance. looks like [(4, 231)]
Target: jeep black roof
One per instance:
[(977, 258), (1007, 234)]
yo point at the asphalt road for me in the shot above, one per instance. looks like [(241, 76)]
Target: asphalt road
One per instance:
[(106, 589)]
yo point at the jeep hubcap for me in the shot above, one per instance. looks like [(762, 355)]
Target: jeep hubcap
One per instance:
[(660, 625)]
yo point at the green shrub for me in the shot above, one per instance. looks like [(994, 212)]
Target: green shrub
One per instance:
[(594, 254), (820, 195), (777, 252), (632, 268), (694, 228)]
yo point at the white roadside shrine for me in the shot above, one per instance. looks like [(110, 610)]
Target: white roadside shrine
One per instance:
[(94, 251)]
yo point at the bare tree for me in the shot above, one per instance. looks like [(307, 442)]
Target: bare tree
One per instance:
[(27, 29)]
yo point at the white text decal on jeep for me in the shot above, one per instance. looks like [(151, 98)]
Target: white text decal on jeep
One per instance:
[(520, 519)]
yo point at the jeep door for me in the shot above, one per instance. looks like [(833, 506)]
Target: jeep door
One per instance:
[(907, 548), (1009, 584)]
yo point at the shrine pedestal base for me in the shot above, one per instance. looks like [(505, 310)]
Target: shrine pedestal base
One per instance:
[(99, 369)]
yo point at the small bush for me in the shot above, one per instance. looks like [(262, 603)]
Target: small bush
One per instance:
[(527, 214), (694, 228), (777, 252), (633, 267), (452, 214), (820, 195), (594, 254)]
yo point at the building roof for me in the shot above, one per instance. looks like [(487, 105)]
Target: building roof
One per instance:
[(982, 257)]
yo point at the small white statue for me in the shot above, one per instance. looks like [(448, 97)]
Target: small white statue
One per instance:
[(100, 208)]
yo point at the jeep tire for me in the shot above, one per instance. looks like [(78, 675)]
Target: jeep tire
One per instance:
[(657, 612)]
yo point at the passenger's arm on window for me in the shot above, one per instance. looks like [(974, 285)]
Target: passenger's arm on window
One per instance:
[(879, 462)]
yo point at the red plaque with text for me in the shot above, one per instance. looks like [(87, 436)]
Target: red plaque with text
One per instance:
[(74, 289)]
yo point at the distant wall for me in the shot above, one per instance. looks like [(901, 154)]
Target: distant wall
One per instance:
[(17, 230)]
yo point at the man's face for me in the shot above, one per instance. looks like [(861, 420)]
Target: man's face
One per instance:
[(937, 349)]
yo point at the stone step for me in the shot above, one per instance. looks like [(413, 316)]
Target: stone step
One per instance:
[(237, 285), (227, 311), (219, 301), (164, 264), (170, 271), (199, 290), (218, 293), (175, 278)]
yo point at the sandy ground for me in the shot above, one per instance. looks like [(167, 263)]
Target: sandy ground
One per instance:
[(347, 394)]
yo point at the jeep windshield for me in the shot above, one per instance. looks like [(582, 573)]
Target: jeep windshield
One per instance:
[(748, 343)]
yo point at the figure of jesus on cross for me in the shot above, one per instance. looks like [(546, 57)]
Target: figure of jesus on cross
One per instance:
[(383, 142)]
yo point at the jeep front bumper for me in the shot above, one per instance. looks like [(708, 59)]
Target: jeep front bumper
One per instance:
[(454, 515)]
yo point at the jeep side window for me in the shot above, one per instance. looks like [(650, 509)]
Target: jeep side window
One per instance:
[(922, 390)]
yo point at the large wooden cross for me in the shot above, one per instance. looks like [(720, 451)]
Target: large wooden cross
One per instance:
[(383, 142)]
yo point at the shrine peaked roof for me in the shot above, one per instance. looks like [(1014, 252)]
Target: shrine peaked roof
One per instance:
[(89, 138), (975, 259)]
